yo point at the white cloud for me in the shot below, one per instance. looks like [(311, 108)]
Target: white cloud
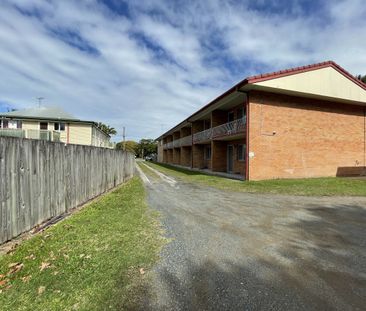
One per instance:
[(203, 49)]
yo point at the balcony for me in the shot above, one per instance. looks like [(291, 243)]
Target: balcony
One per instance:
[(168, 145), (186, 141), (31, 134), (203, 136), (229, 129), (233, 128)]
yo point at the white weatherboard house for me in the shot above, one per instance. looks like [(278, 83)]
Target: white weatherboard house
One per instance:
[(53, 124)]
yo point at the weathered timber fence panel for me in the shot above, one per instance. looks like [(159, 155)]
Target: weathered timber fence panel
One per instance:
[(41, 179)]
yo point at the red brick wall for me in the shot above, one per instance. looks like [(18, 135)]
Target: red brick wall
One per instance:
[(219, 155), (238, 165), (197, 126), (312, 138), (170, 156), (218, 117), (185, 156), (198, 156), (185, 131), (176, 156)]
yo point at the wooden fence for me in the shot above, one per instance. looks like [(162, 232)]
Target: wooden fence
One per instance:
[(40, 180)]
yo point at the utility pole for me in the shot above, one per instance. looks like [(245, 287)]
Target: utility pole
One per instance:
[(124, 139), (39, 101)]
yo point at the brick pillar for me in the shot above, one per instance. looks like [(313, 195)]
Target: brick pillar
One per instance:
[(185, 156), (170, 156), (176, 156), (198, 156), (219, 153)]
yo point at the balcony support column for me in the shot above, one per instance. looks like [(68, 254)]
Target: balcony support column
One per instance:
[(198, 156), (219, 156)]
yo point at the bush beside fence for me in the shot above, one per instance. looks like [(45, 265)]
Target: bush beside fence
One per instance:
[(40, 180)]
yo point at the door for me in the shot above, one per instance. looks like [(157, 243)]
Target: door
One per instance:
[(230, 155)]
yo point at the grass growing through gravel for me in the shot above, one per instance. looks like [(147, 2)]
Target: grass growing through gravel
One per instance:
[(329, 186), (94, 260)]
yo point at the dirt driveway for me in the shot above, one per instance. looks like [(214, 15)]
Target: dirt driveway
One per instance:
[(238, 251)]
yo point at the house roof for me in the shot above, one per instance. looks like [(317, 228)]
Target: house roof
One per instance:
[(270, 76), (51, 112), (296, 70)]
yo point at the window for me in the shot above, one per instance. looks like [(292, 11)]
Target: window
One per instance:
[(241, 113), (59, 126), (4, 124), (241, 152), (43, 126), (14, 124), (208, 153)]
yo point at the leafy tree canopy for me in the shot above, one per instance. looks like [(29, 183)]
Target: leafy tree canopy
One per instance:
[(130, 145), (107, 129), (147, 147), (362, 78)]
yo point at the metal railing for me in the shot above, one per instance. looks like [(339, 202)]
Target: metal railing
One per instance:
[(176, 143), (169, 145), (227, 129), (186, 141), (230, 128), (202, 136), (32, 134)]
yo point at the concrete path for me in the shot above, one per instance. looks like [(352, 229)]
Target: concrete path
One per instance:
[(238, 251)]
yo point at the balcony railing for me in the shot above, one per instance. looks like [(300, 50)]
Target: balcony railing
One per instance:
[(169, 145), (32, 134), (202, 136), (176, 143), (230, 128), (227, 129), (186, 141)]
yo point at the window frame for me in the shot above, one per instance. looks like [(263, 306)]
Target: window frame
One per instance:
[(208, 153), (60, 128), (230, 113), (40, 126), (240, 148)]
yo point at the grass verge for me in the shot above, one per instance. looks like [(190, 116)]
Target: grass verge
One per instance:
[(94, 260), (330, 186)]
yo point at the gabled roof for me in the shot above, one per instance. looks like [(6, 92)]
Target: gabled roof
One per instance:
[(51, 112), (296, 70)]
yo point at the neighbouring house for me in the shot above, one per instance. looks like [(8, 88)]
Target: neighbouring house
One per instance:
[(302, 122), (53, 124)]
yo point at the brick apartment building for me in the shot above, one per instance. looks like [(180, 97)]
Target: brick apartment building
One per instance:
[(303, 122)]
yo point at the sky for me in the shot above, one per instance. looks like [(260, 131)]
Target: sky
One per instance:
[(149, 64)]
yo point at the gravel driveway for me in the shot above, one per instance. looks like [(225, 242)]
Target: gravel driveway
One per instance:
[(239, 251)]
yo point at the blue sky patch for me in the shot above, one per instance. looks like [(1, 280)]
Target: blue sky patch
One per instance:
[(75, 40)]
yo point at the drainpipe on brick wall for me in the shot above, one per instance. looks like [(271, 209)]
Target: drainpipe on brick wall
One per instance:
[(247, 139), (364, 137)]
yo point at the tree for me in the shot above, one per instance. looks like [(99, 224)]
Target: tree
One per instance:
[(107, 129), (130, 145), (147, 147), (362, 78)]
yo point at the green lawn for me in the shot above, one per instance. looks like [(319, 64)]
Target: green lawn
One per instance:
[(310, 186), (94, 260)]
